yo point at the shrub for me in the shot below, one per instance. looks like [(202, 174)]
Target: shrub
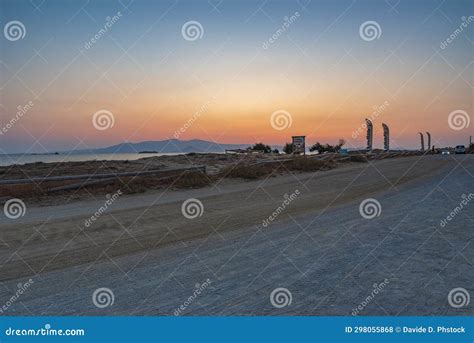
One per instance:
[(358, 158), (288, 148), (192, 180), (309, 164), (327, 147), (260, 147), (245, 171)]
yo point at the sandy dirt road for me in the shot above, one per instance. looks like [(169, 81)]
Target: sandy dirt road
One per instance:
[(319, 247)]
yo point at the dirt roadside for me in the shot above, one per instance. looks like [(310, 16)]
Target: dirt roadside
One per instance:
[(49, 245)]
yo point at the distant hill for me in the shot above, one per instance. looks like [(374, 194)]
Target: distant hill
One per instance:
[(165, 146)]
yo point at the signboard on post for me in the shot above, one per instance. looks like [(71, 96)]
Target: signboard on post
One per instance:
[(299, 144)]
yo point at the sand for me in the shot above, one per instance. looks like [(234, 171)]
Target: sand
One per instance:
[(143, 243)]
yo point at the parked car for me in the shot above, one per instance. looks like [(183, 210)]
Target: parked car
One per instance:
[(460, 149)]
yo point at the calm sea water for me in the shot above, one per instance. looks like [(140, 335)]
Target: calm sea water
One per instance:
[(7, 160)]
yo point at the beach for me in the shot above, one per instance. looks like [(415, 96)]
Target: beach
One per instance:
[(318, 245)]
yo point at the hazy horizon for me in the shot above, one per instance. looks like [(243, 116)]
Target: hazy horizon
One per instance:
[(189, 140), (250, 60)]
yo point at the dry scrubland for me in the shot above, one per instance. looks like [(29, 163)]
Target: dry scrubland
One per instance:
[(218, 167)]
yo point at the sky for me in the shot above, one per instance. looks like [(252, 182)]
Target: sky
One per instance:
[(255, 71)]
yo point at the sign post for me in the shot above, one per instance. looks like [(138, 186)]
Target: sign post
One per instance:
[(299, 145)]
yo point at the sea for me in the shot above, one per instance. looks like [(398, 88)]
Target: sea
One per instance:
[(8, 160)]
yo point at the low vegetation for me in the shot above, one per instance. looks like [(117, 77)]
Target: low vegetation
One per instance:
[(288, 148), (358, 158), (322, 148), (255, 171), (245, 171), (303, 163), (243, 166), (261, 147), (192, 180)]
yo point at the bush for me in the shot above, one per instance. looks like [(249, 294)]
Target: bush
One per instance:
[(327, 147), (288, 148), (301, 163), (245, 171), (192, 180), (358, 158), (260, 147), (310, 164)]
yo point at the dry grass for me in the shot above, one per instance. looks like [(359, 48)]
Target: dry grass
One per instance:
[(358, 158), (300, 163), (30, 190), (128, 185), (246, 168), (309, 164), (40, 169), (193, 180), (245, 171)]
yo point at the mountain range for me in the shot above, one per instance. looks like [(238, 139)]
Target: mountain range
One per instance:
[(165, 146)]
